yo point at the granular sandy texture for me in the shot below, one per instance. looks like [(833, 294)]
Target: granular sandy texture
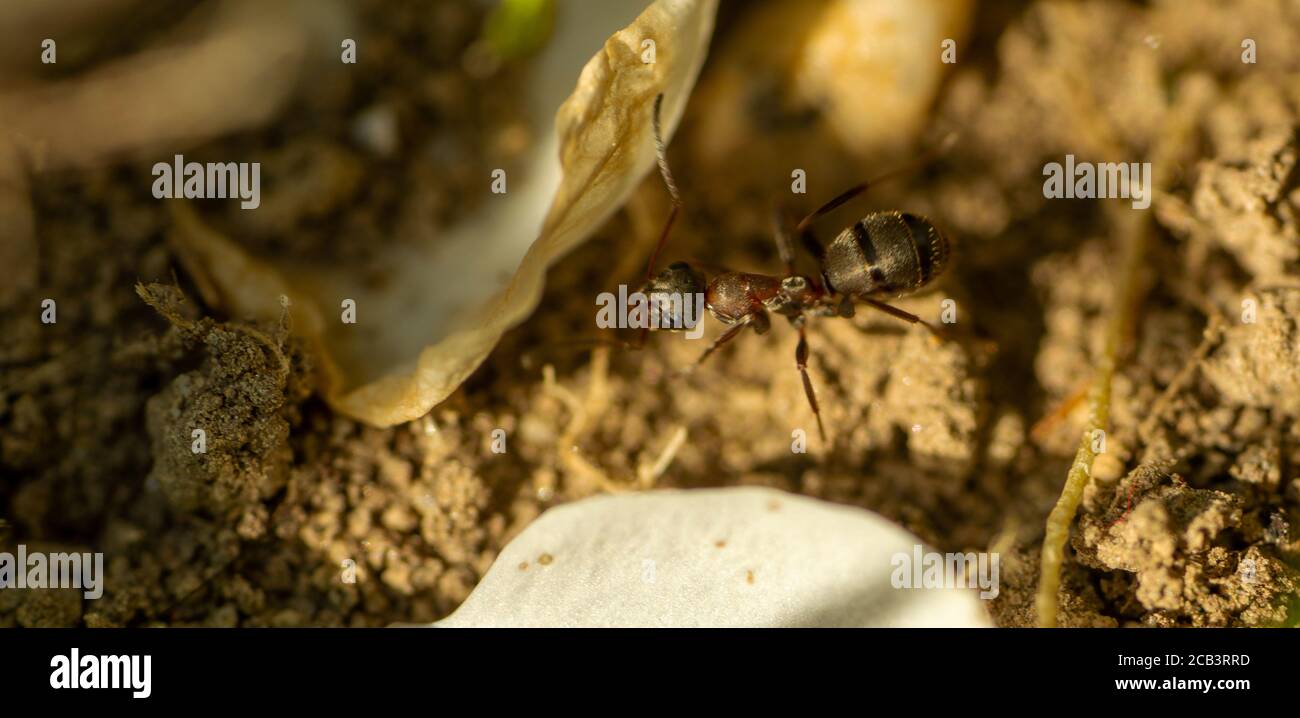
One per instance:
[(299, 517), (97, 410)]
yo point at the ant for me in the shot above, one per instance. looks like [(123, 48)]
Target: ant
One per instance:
[(883, 255)]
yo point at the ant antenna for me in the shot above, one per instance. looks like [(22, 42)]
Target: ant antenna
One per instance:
[(927, 157), (661, 155)]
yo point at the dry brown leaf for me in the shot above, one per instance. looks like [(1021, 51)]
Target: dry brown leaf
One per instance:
[(444, 306)]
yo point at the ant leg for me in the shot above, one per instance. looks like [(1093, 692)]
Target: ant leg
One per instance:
[(727, 336), (806, 237), (812, 245), (801, 360), (639, 343), (944, 145), (783, 246), (905, 316), (834, 204)]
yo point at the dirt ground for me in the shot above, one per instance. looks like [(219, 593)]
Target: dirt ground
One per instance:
[(1189, 521)]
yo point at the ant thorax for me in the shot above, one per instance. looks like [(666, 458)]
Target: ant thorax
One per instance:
[(795, 295)]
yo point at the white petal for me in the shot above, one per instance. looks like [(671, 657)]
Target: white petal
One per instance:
[(717, 557)]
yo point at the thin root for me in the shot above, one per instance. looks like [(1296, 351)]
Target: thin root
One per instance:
[(581, 411), (647, 475)]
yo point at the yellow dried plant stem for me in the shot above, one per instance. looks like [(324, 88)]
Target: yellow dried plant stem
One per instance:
[(1062, 516), (1133, 228)]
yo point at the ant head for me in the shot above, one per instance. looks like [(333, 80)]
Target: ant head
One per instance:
[(672, 293), (679, 278)]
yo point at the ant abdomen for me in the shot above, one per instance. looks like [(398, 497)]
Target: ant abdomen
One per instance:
[(885, 254)]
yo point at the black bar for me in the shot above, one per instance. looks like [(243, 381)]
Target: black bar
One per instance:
[(325, 667)]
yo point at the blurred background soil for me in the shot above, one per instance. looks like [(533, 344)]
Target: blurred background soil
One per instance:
[(1190, 519)]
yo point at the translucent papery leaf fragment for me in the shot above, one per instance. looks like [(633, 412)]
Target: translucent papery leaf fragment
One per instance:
[(733, 557), (443, 303)]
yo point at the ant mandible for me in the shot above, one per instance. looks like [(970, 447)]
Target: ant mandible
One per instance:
[(883, 255)]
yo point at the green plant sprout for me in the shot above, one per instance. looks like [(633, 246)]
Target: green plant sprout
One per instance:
[(518, 28)]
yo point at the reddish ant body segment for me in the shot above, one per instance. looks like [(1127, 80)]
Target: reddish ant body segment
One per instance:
[(883, 255)]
